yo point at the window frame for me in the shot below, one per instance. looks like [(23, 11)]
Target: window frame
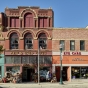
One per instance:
[(13, 38), (61, 42), (82, 46), (42, 45), (72, 47)]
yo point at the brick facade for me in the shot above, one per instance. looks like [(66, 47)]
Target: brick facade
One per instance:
[(37, 21)]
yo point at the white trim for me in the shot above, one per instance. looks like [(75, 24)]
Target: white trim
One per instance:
[(70, 74), (70, 64), (71, 53)]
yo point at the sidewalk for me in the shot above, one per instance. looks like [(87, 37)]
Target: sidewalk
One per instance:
[(45, 85)]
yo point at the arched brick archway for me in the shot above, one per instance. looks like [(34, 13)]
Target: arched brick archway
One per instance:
[(28, 10), (13, 31), (43, 31), (28, 31)]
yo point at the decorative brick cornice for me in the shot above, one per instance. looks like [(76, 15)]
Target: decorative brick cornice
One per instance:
[(70, 28)]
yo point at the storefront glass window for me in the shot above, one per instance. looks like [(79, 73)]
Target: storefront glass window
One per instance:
[(14, 69), (79, 72), (17, 59), (25, 59), (9, 60), (47, 60), (12, 59), (32, 60)]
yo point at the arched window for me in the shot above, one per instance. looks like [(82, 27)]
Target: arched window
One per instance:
[(28, 20), (42, 41), (14, 41), (28, 41)]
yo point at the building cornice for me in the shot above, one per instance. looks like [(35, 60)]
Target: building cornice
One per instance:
[(70, 28)]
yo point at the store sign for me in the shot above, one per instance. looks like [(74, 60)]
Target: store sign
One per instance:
[(79, 59), (72, 53), (28, 53)]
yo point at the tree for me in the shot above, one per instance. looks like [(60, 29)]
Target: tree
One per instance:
[(1, 50)]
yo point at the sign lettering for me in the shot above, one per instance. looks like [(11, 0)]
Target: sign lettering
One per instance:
[(27, 53), (72, 53), (78, 59)]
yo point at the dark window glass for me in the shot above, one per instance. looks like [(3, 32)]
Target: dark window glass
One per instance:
[(25, 59), (14, 41), (42, 43), (47, 60), (28, 41), (82, 45), (63, 43), (17, 60), (32, 60), (72, 45), (9, 59)]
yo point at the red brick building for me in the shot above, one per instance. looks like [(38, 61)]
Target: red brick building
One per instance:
[(23, 29), (75, 52)]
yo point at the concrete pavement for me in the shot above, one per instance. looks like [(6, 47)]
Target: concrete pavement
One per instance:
[(45, 85)]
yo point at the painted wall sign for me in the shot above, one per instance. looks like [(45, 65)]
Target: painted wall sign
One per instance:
[(79, 59), (28, 53), (72, 53)]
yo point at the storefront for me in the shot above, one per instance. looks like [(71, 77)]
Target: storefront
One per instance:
[(27, 63), (2, 66), (75, 62), (79, 72)]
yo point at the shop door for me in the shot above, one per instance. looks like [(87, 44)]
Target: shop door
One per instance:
[(64, 73), (57, 69)]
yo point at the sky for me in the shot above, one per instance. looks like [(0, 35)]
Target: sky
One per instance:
[(67, 13)]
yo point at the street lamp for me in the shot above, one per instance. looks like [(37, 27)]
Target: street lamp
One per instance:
[(61, 68)]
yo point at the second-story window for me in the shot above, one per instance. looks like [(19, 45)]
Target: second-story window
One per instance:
[(42, 22), (82, 45), (28, 20), (63, 44), (72, 45), (42, 41), (14, 22), (28, 41), (14, 41)]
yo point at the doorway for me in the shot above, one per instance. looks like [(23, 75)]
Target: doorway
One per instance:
[(64, 73), (27, 74)]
